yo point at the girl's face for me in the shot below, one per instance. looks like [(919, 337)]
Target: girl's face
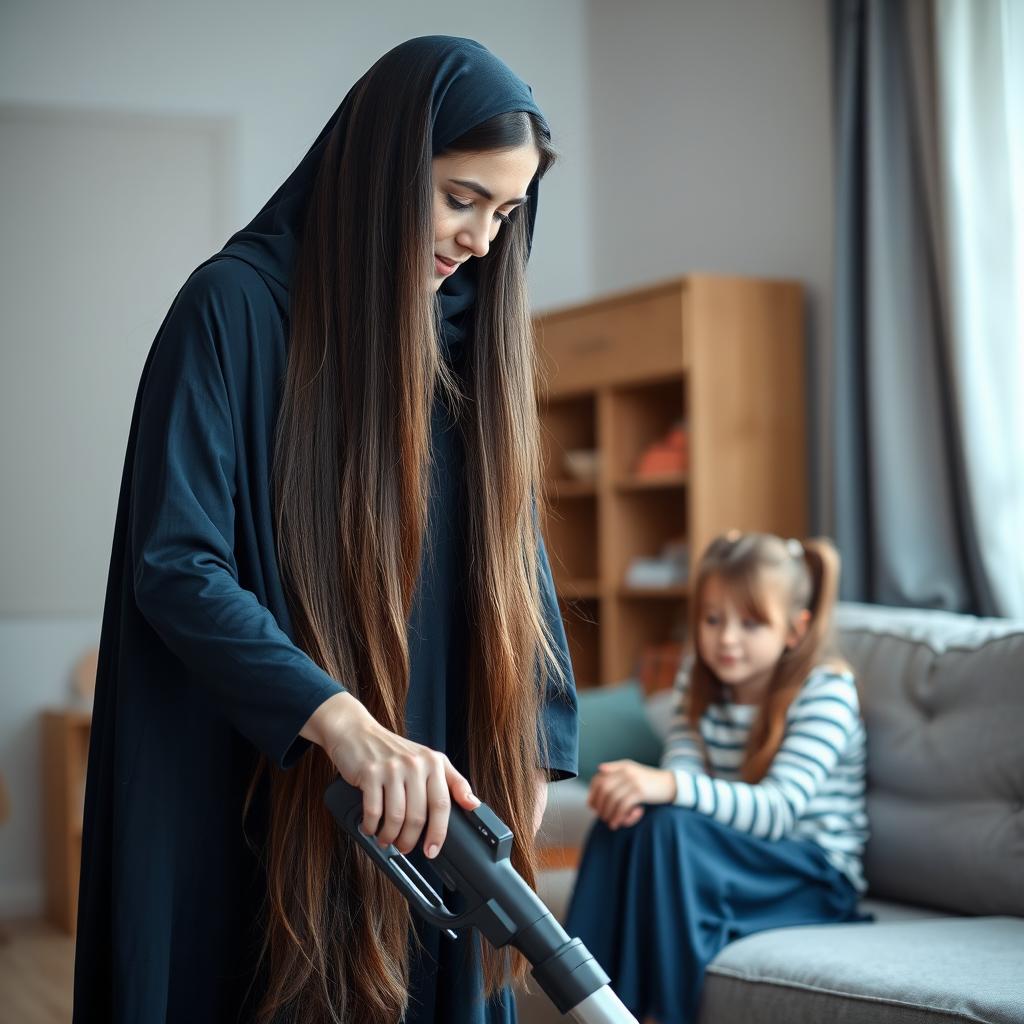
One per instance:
[(474, 195), (738, 647)]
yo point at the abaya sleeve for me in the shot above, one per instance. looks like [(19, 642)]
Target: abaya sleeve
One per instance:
[(559, 717), (191, 442)]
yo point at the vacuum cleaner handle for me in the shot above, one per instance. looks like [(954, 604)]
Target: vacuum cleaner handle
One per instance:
[(474, 862)]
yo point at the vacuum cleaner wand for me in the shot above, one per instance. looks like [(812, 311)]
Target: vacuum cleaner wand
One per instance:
[(474, 862)]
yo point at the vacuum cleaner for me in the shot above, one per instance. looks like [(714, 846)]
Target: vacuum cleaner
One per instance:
[(492, 897)]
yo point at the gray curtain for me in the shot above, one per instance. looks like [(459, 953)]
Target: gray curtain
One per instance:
[(902, 520)]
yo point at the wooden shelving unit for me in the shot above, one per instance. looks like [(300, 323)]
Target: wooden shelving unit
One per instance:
[(65, 753), (726, 356)]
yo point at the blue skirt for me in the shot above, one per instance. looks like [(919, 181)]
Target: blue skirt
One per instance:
[(655, 903)]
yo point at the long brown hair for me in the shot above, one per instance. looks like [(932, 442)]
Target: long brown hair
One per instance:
[(807, 578), (350, 477)]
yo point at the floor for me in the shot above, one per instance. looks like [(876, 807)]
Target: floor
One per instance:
[(36, 969)]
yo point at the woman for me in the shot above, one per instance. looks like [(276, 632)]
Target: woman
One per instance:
[(326, 559)]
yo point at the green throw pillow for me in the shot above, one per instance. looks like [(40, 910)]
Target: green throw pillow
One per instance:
[(613, 726)]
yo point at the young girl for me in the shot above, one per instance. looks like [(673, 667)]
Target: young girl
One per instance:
[(755, 819), (326, 560)]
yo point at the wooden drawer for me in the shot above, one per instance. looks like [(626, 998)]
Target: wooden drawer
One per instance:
[(631, 338)]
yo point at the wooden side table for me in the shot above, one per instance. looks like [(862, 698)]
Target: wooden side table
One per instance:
[(65, 755)]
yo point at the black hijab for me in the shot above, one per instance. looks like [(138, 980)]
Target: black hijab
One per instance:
[(470, 86)]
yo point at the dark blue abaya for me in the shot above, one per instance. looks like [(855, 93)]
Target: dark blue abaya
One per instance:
[(199, 673)]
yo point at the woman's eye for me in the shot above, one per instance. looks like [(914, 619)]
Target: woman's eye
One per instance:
[(454, 204)]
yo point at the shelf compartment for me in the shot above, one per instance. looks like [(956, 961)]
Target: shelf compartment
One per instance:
[(567, 424), (570, 530), (641, 523), (642, 623), (640, 416)]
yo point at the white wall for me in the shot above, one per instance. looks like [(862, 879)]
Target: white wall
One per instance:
[(281, 69), (711, 149)]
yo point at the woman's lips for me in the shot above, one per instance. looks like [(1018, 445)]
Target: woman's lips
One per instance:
[(444, 267)]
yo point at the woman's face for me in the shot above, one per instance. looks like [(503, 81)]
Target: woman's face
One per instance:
[(474, 195)]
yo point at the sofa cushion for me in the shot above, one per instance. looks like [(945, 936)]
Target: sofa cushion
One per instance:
[(614, 725), (948, 969), (943, 701)]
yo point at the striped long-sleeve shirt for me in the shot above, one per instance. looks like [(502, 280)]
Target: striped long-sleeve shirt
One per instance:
[(814, 787)]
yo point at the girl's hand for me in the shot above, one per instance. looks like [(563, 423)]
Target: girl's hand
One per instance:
[(405, 785), (620, 788)]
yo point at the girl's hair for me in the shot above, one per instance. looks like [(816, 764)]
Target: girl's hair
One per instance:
[(754, 567), (350, 478)]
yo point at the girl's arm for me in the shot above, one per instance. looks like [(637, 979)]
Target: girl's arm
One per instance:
[(820, 724)]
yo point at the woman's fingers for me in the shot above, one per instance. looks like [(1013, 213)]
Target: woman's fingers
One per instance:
[(415, 793), (415, 805), (406, 787), (373, 805), (394, 803), (438, 809), (458, 784)]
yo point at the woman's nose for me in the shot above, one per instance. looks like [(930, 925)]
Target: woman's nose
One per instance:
[(476, 240)]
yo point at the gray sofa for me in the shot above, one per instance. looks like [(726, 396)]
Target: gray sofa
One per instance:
[(943, 701)]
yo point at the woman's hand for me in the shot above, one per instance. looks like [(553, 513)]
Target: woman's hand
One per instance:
[(620, 788), (405, 785)]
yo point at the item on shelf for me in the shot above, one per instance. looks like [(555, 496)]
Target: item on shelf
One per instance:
[(653, 572), (582, 463), (677, 550), (659, 664), (670, 568), (667, 456)]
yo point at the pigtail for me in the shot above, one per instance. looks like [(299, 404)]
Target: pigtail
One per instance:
[(823, 565), (817, 645)]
